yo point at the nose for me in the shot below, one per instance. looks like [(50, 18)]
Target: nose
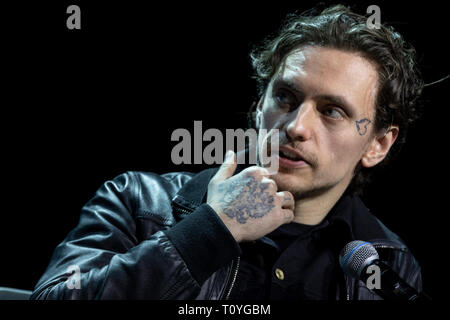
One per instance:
[(299, 126)]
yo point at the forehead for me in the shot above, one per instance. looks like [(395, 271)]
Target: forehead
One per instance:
[(326, 71)]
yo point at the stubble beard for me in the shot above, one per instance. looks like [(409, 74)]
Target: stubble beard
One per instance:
[(299, 187)]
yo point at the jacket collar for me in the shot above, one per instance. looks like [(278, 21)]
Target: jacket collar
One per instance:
[(194, 192), (356, 222)]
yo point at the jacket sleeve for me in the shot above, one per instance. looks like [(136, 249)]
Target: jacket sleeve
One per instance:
[(102, 258)]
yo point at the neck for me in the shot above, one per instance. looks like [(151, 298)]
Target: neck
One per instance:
[(312, 209)]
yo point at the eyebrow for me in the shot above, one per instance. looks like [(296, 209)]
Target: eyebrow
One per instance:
[(338, 100), (280, 82)]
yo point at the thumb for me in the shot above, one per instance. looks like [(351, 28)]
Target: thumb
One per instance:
[(227, 168)]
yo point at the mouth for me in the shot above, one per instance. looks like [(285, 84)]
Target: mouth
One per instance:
[(291, 158)]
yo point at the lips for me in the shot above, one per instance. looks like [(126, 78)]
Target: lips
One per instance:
[(290, 155), (291, 158)]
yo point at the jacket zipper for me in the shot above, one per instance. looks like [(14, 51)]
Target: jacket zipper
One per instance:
[(184, 210), (234, 278), (233, 281), (347, 287)]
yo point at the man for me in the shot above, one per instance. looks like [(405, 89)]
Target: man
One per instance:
[(340, 95)]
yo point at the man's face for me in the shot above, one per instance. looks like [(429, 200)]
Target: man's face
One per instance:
[(322, 101)]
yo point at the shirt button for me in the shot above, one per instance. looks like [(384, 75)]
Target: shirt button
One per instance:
[(279, 273)]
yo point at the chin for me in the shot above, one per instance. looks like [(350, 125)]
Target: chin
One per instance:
[(290, 182), (301, 185)]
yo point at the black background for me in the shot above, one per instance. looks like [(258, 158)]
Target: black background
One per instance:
[(82, 106)]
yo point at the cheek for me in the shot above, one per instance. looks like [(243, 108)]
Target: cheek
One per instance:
[(269, 119), (342, 153)]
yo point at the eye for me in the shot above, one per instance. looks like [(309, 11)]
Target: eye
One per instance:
[(285, 98), (333, 112)]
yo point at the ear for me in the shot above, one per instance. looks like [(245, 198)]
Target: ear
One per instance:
[(379, 147)]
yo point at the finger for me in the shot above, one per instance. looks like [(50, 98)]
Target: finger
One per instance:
[(270, 182), (288, 201), (288, 215), (227, 168), (256, 171)]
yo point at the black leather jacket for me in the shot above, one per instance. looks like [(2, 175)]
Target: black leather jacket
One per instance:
[(123, 252)]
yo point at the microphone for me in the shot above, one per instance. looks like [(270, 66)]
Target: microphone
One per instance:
[(358, 256)]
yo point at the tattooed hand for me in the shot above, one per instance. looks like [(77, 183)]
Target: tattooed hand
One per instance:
[(248, 203)]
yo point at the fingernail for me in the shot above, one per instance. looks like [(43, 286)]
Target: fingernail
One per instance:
[(229, 156)]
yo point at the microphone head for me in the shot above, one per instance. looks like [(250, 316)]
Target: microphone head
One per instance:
[(355, 256)]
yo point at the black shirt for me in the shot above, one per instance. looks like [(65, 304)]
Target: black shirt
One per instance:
[(287, 233), (294, 262)]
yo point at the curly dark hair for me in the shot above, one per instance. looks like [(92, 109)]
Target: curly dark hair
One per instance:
[(400, 82)]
